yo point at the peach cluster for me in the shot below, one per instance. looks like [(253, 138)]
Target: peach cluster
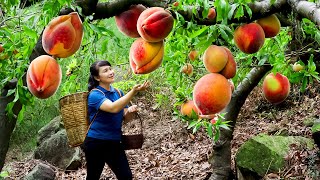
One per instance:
[(150, 26), (249, 38), (212, 92), (61, 38)]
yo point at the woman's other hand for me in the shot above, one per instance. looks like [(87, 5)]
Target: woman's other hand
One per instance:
[(132, 109)]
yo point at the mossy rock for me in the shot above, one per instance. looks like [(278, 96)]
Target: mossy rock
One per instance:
[(264, 154)]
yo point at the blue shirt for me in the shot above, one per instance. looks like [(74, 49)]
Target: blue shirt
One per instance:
[(106, 126)]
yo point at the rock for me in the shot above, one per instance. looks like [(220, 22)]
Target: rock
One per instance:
[(51, 128), (41, 171), (57, 152), (265, 154), (316, 132)]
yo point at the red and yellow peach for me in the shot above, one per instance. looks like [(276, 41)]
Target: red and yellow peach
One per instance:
[(215, 58), (270, 25), (249, 38), (276, 88), (145, 56), (154, 24), (211, 93), (127, 20), (62, 37), (43, 76)]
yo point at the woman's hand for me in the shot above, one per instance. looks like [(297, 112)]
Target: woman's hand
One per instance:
[(141, 87), (132, 109), (130, 113)]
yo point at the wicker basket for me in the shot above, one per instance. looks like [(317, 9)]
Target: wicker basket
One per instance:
[(74, 111), (134, 141)]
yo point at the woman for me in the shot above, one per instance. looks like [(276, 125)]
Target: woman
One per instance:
[(106, 111)]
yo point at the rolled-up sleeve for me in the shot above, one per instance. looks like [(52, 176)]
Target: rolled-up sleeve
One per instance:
[(95, 99)]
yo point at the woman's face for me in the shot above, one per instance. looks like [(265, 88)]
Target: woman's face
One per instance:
[(106, 75)]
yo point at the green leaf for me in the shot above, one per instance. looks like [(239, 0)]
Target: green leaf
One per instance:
[(231, 12), (304, 84), (224, 126), (239, 12), (29, 32), (224, 34), (4, 174), (249, 11), (315, 128), (62, 2), (95, 28), (193, 123), (209, 130), (196, 128), (199, 32)]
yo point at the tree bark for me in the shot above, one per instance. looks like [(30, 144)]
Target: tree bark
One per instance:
[(6, 126), (221, 156)]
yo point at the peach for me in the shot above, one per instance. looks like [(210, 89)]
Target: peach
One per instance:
[(187, 69), (229, 71), (43, 76), (62, 37), (249, 38), (155, 24), (187, 107), (211, 93), (1, 48), (176, 4), (270, 25), (211, 14), (193, 55), (276, 88), (127, 20), (145, 56), (215, 58), (297, 67)]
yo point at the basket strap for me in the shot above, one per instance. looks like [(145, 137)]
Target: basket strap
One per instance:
[(95, 115), (141, 129)]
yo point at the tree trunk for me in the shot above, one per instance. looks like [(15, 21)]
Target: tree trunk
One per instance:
[(6, 126), (221, 156)]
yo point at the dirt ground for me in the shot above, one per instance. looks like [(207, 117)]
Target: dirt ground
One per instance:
[(171, 151)]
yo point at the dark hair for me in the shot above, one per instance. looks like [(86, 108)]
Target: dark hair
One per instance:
[(94, 71)]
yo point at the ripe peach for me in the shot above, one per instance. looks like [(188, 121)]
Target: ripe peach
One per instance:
[(297, 67), (1, 48), (187, 69), (229, 71), (187, 107), (127, 20), (249, 38), (211, 93), (212, 14), (145, 56), (63, 35), (176, 4), (154, 24), (215, 58), (193, 55), (276, 88), (43, 76), (270, 25)]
